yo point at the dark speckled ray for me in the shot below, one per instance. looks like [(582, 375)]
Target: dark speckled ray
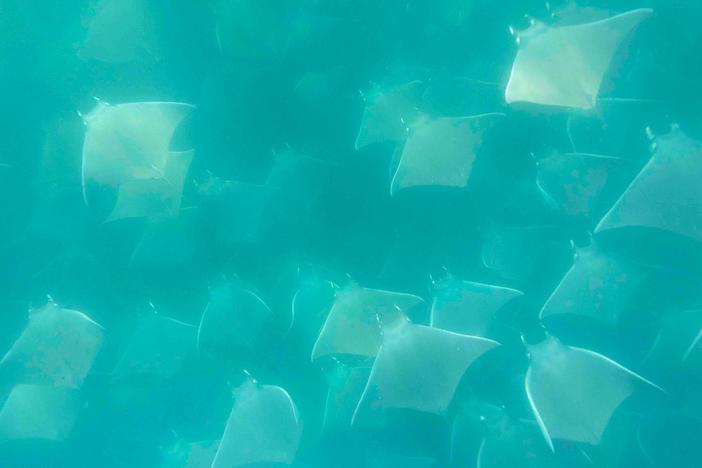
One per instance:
[(582, 186), (57, 347), (598, 286), (666, 195)]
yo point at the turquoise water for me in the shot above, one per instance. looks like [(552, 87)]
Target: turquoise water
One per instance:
[(336, 233)]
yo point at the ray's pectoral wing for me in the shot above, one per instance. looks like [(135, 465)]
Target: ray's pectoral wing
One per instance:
[(234, 318), (346, 386), (468, 307), (582, 185), (354, 324), (263, 427), (442, 152), (565, 66), (599, 43), (598, 286), (57, 347), (129, 141), (666, 194), (121, 31), (39, 412), (574, 392), (542, 74), (154, 197), (419, 368), (387, 115), (157, 349)]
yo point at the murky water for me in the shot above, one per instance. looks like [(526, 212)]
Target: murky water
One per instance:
[(335, 233)]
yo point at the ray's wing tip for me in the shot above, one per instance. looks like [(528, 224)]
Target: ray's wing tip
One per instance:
[(509, 99), (641, 12), (650, 383), (494, 115), (395, 184), (604, 224), (316, 353), (537, 415), (543, 313), (358, 143)]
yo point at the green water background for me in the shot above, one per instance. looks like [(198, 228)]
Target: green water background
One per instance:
[(310, 99)]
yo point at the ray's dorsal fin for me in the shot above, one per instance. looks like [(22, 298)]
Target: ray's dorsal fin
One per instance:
[(57, 347)]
